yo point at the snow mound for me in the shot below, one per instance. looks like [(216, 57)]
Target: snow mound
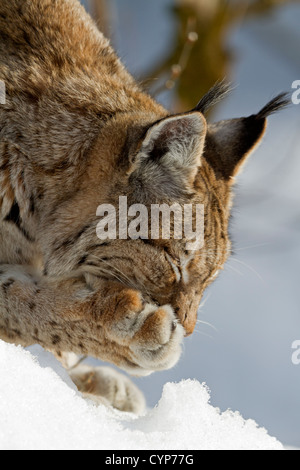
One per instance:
[(41, 410)]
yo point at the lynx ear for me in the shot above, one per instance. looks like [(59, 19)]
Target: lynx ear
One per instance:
[(175, 146), (229, 143)]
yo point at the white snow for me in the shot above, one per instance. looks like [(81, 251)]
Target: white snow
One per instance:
[(40, 409)]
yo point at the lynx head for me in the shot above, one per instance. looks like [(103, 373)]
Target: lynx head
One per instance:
[(183, 160)]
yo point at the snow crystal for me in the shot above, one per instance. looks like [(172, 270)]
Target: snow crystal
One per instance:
[(40, 409)]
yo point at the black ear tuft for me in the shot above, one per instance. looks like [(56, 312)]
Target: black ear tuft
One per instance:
[(219, 91), (281, 101)]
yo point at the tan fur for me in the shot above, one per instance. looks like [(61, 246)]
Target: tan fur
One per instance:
[(76, 132)]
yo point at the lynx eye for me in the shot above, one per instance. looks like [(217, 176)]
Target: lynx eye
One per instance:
[(175, 268)]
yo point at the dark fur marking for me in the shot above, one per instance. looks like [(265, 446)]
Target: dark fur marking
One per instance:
[(17, 332), (14, 214), (82, 260), (7, 284), (32, 204), (14, 217), (66, 243), (4, 166), (90, 263), (56, 339)]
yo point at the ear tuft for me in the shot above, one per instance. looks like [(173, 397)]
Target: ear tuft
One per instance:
[(281, 101), (216, 94)]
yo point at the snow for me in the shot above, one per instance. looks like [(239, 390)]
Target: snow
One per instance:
[(40, 409)]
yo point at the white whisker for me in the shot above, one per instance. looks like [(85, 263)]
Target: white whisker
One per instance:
[(203, 334), (250, 247), (249, 267), (234, 269), (203, 303), (200, 322)]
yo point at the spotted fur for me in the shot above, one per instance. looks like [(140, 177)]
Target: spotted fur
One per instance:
[(77, 131)]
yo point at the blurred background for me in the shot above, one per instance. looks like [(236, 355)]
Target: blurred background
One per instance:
[(178, 49)]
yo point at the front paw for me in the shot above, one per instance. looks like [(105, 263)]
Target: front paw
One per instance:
[(152, 335), (157, 344)]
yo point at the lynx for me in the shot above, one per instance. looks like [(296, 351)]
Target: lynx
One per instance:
[(77, 131)]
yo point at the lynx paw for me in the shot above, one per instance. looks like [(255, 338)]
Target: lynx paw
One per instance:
[(152, 334), (104, 385), (157, 343)]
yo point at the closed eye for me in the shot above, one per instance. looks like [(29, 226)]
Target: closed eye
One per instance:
[(175, 268), (180, 268)]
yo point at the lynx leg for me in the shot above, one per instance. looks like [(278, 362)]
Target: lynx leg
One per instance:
[(107, 321)]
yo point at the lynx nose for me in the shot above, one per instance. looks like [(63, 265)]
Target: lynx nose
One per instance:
[(186, 304), (187, 334)]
